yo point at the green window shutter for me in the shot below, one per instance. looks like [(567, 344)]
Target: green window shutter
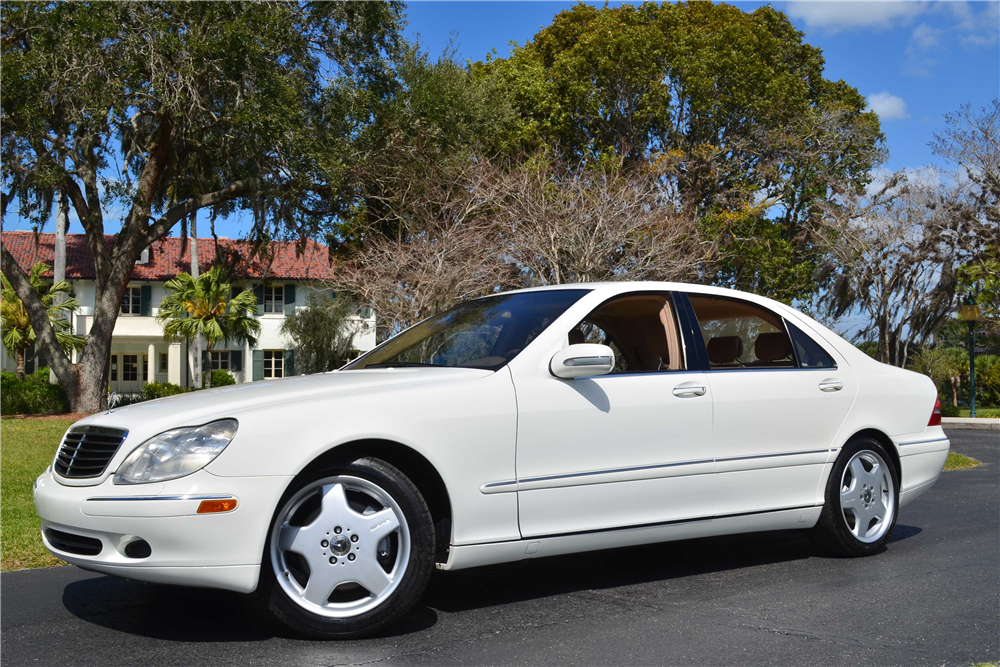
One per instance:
[(258, 291), (145, 300), (258, 365), (206, 362), (289, 369), (289, 300), (236, 360)]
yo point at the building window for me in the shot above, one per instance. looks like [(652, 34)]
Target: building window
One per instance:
[(274, 361), (130, 367), (274, 299), (132, 301), (114, 368), (145, 367), (163, 362), (220, 360)]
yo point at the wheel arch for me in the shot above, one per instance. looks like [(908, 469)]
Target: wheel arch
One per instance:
[(413, 464), (886, 442)]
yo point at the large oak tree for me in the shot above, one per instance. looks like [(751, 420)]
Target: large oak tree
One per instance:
[(725, 100), (156, 110)]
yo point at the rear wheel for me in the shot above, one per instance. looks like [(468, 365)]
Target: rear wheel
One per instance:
[(350, 550), (862, 501)]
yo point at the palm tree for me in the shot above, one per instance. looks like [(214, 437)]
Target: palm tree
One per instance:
[(18, 335), (201, 306)]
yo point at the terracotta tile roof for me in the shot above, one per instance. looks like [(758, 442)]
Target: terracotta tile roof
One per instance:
[(166, 260)]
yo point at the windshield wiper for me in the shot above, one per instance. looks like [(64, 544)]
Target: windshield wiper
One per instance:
[(401, 364)]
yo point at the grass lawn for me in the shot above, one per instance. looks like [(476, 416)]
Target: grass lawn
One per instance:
[(980, 412), (28, 445), (960, 462)]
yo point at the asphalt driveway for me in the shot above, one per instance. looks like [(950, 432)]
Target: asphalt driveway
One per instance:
[(932, 597)]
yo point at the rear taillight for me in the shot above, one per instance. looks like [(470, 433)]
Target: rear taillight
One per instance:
[(936, 414)]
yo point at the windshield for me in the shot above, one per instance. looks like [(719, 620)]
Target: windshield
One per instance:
[(485, 333)]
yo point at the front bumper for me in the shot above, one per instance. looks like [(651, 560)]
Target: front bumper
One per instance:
[(220, 550)]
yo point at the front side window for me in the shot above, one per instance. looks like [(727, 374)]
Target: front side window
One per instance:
[(274, 363), (132, 301), (640, 328), (274, 299), (739, 334), (485, 333), (220, 361)]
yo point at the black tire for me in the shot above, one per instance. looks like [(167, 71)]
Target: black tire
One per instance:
[(415, 577), (832, 533)]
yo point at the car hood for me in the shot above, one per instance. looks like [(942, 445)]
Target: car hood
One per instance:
[(199, 407)]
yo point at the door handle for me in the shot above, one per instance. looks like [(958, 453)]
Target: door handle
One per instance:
[(684, 391), (831, 385)]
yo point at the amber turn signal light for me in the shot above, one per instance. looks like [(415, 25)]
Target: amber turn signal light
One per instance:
[(210, 506)]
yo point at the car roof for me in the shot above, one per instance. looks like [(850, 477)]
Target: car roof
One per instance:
[(640, 285)]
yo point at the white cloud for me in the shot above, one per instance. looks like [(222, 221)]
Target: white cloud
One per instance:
[(924, 38), (977, 29), (834, 17), (888, 106), (923, 41)]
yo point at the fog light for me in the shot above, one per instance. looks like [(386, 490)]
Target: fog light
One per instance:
[(210, 506)]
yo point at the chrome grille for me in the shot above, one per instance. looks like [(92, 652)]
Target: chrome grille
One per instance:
[(87, 450)]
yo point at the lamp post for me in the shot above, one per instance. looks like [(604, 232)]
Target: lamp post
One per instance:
[(970, 313)]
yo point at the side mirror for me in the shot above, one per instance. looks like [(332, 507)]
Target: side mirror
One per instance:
[(582, 360)]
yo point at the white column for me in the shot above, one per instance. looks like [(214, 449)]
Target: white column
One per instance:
[(174, 363), (151, 364)]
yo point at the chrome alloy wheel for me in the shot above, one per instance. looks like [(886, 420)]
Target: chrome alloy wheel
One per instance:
[(867, 496), (340, 546)]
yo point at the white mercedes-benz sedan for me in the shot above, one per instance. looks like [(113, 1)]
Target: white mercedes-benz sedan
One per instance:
[(520, 425)]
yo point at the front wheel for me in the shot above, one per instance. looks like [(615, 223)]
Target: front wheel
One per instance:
[(861, 503), (349, 552)]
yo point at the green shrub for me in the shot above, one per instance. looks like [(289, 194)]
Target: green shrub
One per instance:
[(949, 410), (221, 378), (988, 380), (120, 400), (31, 396), (152, 390)]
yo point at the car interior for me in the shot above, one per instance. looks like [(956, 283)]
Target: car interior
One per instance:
[(640, 328), (742, 335)]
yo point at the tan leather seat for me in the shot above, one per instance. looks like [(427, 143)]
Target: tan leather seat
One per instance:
[(772, 346), (576, 336), (724, 349)]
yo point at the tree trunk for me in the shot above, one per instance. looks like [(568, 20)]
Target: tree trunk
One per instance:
[(195, 272), (20, 364), (954, 389), (208, 373), (59, 265)]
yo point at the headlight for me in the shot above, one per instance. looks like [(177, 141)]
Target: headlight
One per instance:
[(176, 453)]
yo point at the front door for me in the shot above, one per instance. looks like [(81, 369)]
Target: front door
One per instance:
[(626, 449), (130, 374), (778, 404)]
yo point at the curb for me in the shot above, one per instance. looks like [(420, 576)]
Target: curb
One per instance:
[(969, 424)]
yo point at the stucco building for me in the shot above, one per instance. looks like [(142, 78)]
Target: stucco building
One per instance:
[(139, 351)]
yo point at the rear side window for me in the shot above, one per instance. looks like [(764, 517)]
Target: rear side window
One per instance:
[(739, 334), (810, 354)]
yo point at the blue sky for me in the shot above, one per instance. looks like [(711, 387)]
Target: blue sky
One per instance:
[(914, 61)]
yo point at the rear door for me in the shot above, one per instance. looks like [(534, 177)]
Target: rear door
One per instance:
[(779, 400)]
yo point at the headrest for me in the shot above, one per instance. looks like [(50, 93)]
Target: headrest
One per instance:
[(725, 349), (576, 336), (772, 346)]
